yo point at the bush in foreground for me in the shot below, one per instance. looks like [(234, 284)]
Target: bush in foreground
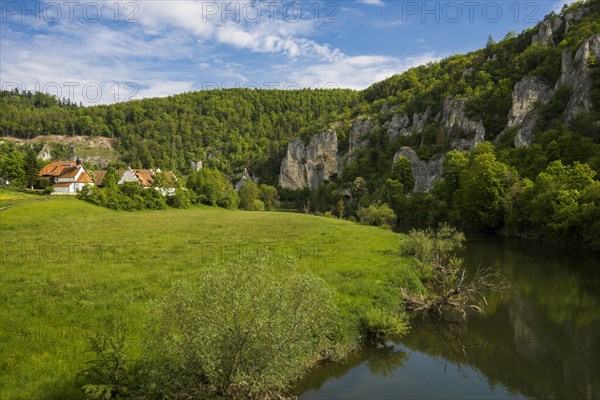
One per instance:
[(377, 215), (246, 330)]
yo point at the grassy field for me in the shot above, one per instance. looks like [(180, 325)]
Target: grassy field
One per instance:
[(12, 198), (69, 267)]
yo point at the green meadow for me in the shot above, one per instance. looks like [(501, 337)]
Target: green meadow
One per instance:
[(69, 268)]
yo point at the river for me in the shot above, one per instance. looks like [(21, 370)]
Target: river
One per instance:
[(542, 341)]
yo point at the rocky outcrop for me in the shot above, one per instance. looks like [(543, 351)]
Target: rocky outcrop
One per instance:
[(455, 119), (358, 133), (467, 72), (398, 125), (527, 92), (419, 121), (524, 135), (573, 16), (544, 35), (425, 173), (46, 153), (306, 165), (575, 73), (245, 178), (196, 166)]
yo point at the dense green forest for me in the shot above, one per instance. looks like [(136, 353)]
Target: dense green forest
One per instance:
[(226, 129), (548, 188)]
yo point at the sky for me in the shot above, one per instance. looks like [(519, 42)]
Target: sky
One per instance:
[(107, 51)]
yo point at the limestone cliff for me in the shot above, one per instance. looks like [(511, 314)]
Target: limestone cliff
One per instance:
[(45, 153), (246, 177), (544, 35), (527, 92), (455, 119), (575, 73), (306, 165), (424, 172), (358, 133), (401, 125)]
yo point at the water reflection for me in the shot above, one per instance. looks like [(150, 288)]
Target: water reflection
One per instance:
[(541, 342)]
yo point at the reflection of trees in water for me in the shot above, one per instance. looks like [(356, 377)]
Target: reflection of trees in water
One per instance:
[(544, 340), (386, 360), (380, 361)]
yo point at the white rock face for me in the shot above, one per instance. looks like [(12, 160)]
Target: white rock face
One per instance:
[(196, 166), (358, 133), (575, 73), (45, 153), (419, 121), (245, 178), (306, 165), (544, 35), (454, 118), (398, 125), (524, 135), (574, 16), (526, 93), (425, 173)]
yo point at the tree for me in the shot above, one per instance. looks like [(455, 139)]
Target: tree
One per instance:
[(249, 197), (246, 329), (31, 169), (485, 185), (179, 199), (377, 215), (111, 179), (359, 188), (448, 288), (269, 196), (212, 187), (12, 168), (402, 172)]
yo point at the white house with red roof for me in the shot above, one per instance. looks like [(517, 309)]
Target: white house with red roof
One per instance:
[(67, 177)]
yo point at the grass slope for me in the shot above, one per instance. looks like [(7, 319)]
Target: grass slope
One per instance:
[(68, 267)]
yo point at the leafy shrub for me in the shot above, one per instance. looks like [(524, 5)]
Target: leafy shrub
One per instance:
[(269, 196), (180, 199), (379, 325), (249, 197), (432, 248), (107, 374), (377, 215), (246, 329), (212, 187)]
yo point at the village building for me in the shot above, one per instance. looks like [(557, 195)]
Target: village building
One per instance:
[(147, 178), (67, 177)]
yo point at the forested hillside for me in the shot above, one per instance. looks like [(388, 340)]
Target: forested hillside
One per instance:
[(226, 129)]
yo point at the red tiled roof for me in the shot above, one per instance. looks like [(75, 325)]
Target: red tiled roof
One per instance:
[(99, 176), (63, 184), (84, 178), (145, 176), (65, 170), (56, 168)]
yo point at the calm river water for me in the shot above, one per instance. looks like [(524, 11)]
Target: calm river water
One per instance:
[(543, 341)]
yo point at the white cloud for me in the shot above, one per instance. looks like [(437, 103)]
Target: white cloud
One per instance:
[(372, 2), (176, 47), (164, 88), (357, 72)]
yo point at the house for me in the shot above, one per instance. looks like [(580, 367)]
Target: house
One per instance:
[(67, 177), (147, 178)]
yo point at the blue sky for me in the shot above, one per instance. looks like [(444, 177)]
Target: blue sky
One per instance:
[(109, 51)]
